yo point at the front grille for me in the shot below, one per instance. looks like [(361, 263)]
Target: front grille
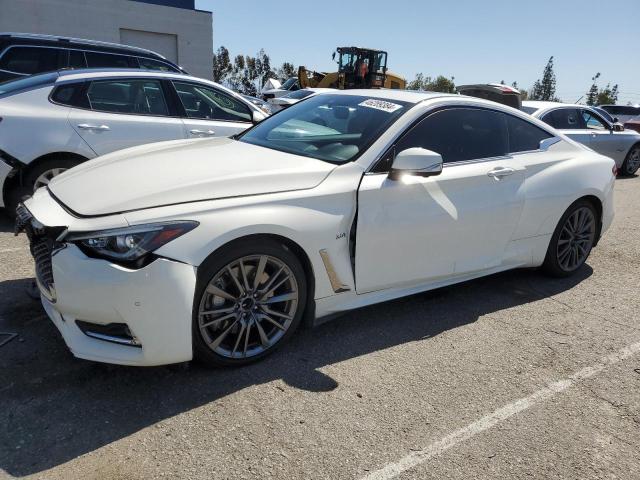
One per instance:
[(41, 246)]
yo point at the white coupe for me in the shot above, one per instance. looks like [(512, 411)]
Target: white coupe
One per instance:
[(219, 248)]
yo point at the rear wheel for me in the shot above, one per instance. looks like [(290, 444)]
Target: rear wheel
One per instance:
[(249, 301), (572, 241), (632, 162), (42, 174)]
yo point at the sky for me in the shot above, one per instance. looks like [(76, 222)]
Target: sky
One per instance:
[(472, 41)]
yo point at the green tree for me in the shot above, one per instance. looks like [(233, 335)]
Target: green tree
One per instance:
[(221, 65), (545, 88), (286, 70), (604, 96), (438, 84)]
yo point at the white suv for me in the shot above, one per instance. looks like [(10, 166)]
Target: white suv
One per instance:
[(54, 121)]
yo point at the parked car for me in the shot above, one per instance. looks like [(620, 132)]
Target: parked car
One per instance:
[(261, 104), (23, 54), (218, 248), (617, 126), (291, 98), (290, 85), (628, 115), (55, 121), (585, 125), (496, 92)]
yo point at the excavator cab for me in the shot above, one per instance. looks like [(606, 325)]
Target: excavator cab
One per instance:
[(361, 67)]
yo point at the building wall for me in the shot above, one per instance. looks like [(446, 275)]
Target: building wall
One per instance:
[(183, 35)]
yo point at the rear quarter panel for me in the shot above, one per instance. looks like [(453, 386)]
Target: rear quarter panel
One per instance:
[(32, 126)]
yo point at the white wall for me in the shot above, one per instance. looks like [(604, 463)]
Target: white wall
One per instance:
[(104, 19)]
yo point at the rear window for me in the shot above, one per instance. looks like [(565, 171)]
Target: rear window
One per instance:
[(108, 60), (621, 109), (28, 83), (151, 64), (32, 60)]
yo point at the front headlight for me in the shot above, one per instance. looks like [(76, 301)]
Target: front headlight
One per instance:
[(129, 244)]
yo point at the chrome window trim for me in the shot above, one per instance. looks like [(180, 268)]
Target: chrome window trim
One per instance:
[(385, 149), (83, 50)]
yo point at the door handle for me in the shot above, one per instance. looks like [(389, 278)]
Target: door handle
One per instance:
[(86, 126), (202, 133), (500, 172)]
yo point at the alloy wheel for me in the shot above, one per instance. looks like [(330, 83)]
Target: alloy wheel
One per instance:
[(46, 176), (576, 239), (248, 306), (633, 162)]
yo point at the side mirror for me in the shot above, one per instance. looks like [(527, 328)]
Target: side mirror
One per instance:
[(257, 117), (416, 161), (615, 120), (618, 127)]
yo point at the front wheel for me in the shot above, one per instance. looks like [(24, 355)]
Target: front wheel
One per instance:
[(249, 300), (572, 240), (631, 162)]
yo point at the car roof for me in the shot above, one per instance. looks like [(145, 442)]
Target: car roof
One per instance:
[(84, 41), (410, 96), (86, 73), (542, 105)]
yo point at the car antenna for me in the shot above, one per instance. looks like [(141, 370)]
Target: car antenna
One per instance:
[(579, 99)]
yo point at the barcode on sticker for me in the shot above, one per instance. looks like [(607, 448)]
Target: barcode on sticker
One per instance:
[(380, 105)]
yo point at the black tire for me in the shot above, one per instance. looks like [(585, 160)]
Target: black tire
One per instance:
[(217, 263), (631, 163), (51, 164), (552, 265)]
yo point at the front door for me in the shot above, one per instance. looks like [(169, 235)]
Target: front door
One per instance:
[(210, 112), (123, 113), (417, 229)]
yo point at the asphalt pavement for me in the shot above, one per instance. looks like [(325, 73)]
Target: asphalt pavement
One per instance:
[(511, 376)]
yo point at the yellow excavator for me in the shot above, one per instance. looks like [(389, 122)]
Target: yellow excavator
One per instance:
[(357, 68)]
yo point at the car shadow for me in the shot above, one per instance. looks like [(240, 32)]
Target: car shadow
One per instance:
[(6, 223), (56, 408)]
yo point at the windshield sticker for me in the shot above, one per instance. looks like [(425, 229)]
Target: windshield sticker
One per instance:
[(381, 105)]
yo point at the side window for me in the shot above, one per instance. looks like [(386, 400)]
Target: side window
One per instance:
[(151, 64), (76, 59), (460, 134), (524, 136), (564, 118), (592, 121), (31, 60), (210, 104), (107, 60), (68, 95), (138, 97)]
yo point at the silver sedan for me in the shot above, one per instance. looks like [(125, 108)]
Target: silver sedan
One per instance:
[(585, 125)]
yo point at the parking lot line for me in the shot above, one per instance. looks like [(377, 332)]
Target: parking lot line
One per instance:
[(416, 458)]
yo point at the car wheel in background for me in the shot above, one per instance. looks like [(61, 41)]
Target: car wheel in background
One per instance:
[(632, 162), (249, 300), (572, 240), (42, 174)]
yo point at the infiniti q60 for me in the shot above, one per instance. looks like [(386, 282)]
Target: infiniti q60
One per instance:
[(218, 249)]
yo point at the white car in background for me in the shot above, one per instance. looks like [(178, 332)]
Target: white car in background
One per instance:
[(290, 85), (217, 248), (291, 98), (55, 121), (587, 126)]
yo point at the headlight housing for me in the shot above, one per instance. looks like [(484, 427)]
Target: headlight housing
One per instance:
[(129, 245)]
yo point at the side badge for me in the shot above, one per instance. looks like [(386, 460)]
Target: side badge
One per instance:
[(341, 235)]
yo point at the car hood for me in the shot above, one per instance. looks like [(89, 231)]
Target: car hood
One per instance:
[(182, 171)]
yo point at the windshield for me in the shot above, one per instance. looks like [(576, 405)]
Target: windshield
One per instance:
[(26, 83), (289, 83), (298, 94), (329, 127), (529, 110)]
